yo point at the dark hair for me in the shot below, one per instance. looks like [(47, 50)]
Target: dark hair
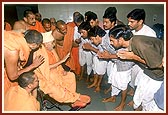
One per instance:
[(27, 12), (137, 14), (75, 14), (78, 18), (111, 10), (87, 13), (25, 79), (110, 13), (33, 36), (121, 31), (93, 32), (91, 16), (85, 26), (45, 21)]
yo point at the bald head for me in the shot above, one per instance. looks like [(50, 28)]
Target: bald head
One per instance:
[(61, 27)]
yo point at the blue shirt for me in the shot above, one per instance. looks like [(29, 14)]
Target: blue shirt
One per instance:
[(159, 97)]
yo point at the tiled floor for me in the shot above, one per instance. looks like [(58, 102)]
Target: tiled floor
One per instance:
[(96, 103), (96, 99)]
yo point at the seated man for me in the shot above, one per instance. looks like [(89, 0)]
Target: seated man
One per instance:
[(20, 98), (64, 83)]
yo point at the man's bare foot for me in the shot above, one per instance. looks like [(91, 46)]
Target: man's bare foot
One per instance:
[(91, 79), (131, 92), (139, 108), (109, 99), (120, 107), (131, 103), (78, 104), (97, 89), (107, 90), (92, 85), (82, 101)]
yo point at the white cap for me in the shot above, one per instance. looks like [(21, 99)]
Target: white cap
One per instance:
[(47, 37)]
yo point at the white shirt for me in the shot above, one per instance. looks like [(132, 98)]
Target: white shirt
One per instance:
[(145, 30)]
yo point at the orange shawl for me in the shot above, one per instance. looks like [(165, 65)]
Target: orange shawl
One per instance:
[(75, 54), (52, 81), (67, 47), (38, 27), (18, 99), (15, 41)]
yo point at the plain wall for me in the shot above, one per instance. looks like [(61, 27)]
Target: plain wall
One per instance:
[(64, 11)]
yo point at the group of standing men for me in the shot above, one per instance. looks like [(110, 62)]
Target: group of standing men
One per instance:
[(130, 54)]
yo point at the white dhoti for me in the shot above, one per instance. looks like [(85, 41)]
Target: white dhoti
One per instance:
[(152, 106), (119, 80), (134, 73), (109, 67), (144, 93), (99, 66), (86, 57)]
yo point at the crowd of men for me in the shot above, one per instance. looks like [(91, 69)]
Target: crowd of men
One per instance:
[(50, 54)]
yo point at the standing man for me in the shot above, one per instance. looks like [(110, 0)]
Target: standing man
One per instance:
[(85, 56), (136, 22), (93, 20), (53, 23), (98, 38), (28, 22), (149, 53), (109, 21), (63, 36), (77, 20), (46, 24), (38, 17)]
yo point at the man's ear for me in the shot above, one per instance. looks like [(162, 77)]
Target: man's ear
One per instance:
[(141, 22), (121, 39), (29, 86), (113, 23), (97, 20), (25, 19)]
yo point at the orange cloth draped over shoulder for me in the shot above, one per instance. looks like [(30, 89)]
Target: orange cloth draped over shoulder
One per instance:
[(66, 79), (75, 54), (67, 47), (38, 27), (18, 99), (15, 41), (52, 82)]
